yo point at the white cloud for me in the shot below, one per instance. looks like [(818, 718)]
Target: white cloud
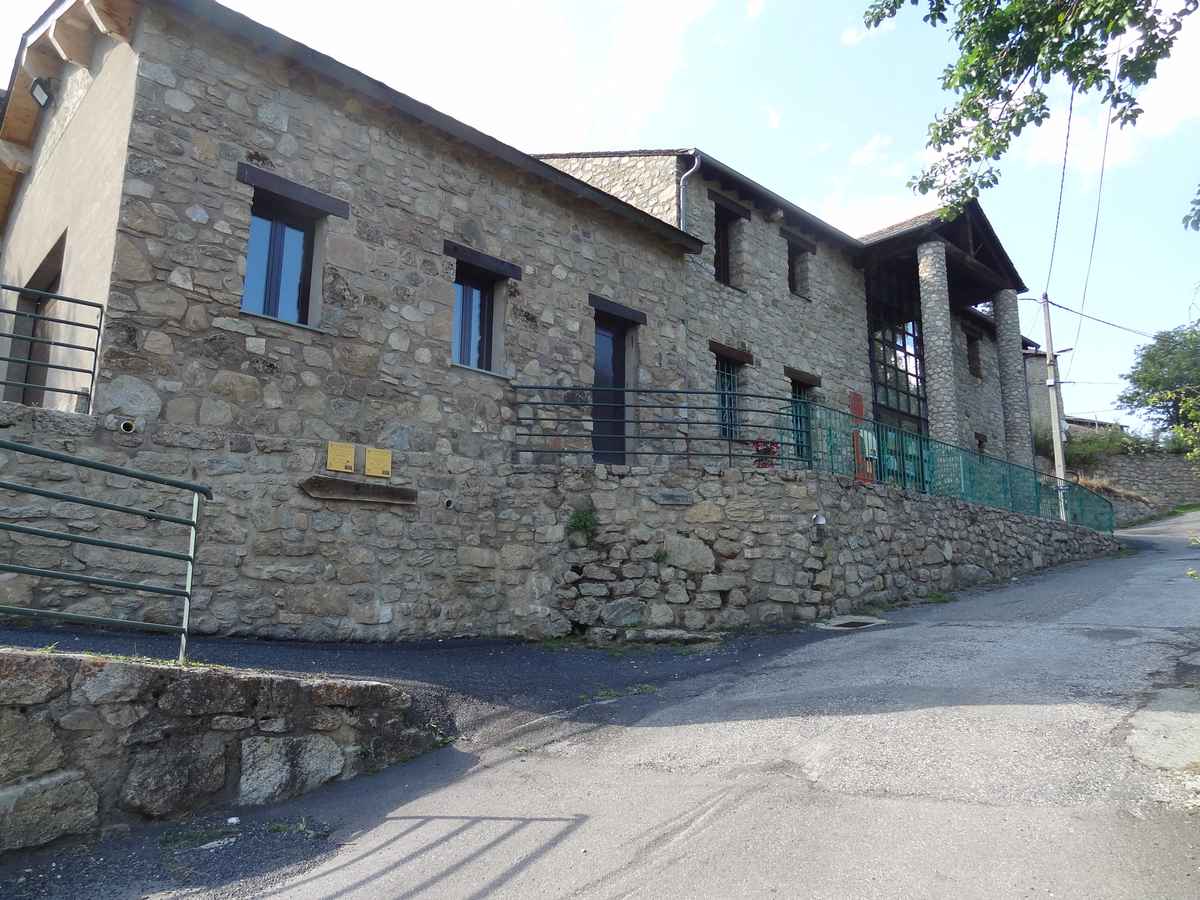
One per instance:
[(873, 152), (859, 214), (579, 91), (1169, 103), (773, 117), (856, 34), (754, 8)]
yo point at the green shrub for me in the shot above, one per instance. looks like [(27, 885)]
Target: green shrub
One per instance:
[(583, 521)]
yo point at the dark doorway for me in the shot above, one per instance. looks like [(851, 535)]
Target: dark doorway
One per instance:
[(608, 396), (29, 355)]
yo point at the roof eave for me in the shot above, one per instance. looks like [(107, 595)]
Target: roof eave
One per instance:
[(247, 28)]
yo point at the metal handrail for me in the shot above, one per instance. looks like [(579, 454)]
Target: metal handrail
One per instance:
[(192, 523), (33, 366), (773, 431)]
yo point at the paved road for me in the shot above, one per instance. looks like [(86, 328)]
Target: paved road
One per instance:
[(1037, 740)]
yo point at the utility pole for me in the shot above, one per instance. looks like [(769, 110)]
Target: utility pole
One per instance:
[(1060, 466)]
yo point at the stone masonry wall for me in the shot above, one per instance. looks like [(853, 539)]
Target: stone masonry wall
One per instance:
[(647, 180), (704, 549), (682, 548), (979, 402), (375, 368), (824, 333), (87, 742), (1166, 480)]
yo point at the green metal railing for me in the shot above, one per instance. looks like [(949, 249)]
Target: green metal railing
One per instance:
[(190, 522), (555, 423)]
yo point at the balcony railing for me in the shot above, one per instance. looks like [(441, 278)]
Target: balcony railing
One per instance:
[(648, 427), (49, 345)]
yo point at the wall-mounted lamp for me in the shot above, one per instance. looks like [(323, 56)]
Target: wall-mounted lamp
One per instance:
[(818, 521), (42, 92)]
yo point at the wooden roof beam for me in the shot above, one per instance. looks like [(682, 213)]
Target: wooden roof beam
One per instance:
[(114, 18), (73, 37), (15, 158)]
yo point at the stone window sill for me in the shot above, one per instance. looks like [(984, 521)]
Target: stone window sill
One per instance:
[(312, 328), (487, 372)]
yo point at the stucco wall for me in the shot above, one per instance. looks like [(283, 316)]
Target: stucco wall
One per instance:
[(75, 188)]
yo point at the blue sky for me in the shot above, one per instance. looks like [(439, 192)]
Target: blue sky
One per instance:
[(799, 97)]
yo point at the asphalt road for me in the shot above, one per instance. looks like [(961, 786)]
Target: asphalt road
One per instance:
[(1037, 740)]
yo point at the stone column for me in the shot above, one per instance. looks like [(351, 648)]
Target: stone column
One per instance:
[(941, 385), (1018, 441)]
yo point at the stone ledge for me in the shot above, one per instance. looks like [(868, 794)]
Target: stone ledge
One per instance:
[(126, 741)]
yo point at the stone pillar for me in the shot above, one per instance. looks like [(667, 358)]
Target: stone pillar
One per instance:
[(1018, 442), (941, 385)]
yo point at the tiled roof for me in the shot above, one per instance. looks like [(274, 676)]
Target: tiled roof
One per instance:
[(914, 224)]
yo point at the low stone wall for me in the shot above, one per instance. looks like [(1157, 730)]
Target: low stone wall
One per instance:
[(703, 549), (87, 742), (488, 548), (1166, 480)]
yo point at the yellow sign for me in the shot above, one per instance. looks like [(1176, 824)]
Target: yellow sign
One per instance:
[(379, 462), (339, 457)]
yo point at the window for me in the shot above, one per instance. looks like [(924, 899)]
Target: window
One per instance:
[(285, 221), (974, 364), (799, 256), (474, 311), (729, 416), (981, 442), (897, 349), (802, 422), (723, 244), (278, 260)]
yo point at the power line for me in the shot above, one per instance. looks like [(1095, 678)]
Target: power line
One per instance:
[(1062, 183), (1092, 252), (1092, 318)]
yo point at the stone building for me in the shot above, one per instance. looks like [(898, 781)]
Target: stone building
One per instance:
[(277, 252)]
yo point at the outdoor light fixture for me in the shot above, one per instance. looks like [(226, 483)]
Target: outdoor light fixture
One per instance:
[(818, 521), (41, 92)]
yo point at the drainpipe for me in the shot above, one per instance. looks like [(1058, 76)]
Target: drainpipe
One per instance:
[(681, 208), (682, 204)]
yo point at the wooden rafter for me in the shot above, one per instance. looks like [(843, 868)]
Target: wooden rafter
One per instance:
[(113, 17), (73, 37)]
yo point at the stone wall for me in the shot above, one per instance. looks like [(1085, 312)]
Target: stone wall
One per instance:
[(87, 742), (375, 368), (823, 332), (673, 548), (982, 410), (647, 180), (1166, 480), (705, 549)]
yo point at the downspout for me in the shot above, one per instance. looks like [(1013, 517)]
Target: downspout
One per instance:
[(681, 209)]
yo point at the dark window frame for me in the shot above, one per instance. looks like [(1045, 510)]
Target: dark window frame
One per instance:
[(485, 283), (974, 354), (723, 221), (282, 214), (802, 444), (728, 371)]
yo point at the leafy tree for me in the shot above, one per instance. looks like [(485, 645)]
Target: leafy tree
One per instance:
[(1010, 51), (1164, 383)]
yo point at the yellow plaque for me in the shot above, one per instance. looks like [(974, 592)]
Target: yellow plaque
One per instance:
[(379, 462), (339, 457)]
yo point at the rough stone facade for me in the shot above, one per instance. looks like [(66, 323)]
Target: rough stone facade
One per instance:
[(1165, 480), (87, 742), (937, 332), (823, 332), (1014, 392), (979, 400), (685, 548), (648, 180), (1039, 396)]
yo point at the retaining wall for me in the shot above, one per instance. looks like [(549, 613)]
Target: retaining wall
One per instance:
[(1166, 480), (492, 550), (87, 742)]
